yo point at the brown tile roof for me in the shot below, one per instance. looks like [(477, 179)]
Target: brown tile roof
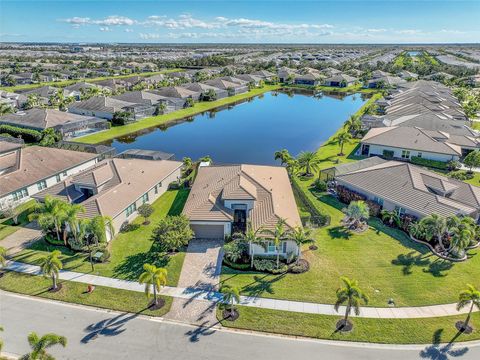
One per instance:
[(268, 186)]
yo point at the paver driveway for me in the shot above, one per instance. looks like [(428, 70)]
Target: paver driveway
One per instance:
[(21, 238)]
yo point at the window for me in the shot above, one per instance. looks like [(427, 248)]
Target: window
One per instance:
[(58, 178), (20, 194), (131, 209), (41, 185), (419, 154), (64, 173), (271, 247), (405, 154), (378, 200), (160, 184), (399, 210), (284, 247), (156, 189), (144, 198)]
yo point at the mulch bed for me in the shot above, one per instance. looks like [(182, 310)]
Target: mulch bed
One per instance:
[(59, 287), (343, 326), (313, 247), (230, 315), (160, 303), (146, 223), (459, 326), (301, 267)]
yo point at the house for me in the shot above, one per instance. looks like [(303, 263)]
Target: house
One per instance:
[(306, 79), (407, 75), (203, 88), (340, 80), (152, 99), (224, 199), (384, 82), (25, 171), (116, 187), (12, 99), (250, 79), (23, 78), (409, 189), (265, 75), (68, 124), (78, 89), (178, 92), (43, 93), (284, 74), (231, 88), (399, 142)]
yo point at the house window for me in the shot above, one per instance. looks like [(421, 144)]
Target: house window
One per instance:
[(41, 185), (156, 189), (58, 178), (405, 154), (284, 247), (378, 200), (399, 210), (20, 194), (144, 198), (131, 209), (64, 173), (160, 184), (271, 247), (419, 154)]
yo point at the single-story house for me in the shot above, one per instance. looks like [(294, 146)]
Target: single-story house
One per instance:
[(413, 190), (384, 82), (116, 187), (203, 88), (340, 80), (12, 99), (284, 74), (407, 75), (67, 124), (78, 89), (25, 171), (250, 79), (306, 79), (230, 87), (178, 92), (265, 75), (223, 199), (43, 93)]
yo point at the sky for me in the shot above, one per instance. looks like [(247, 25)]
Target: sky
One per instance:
[(254, 21)]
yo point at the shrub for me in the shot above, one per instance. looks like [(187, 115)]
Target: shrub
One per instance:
[(428, 163), (454, 165), (28, 135), (305, 217), (264, 265), (347, 196), (126, 227), (461, 175), (121, 117), (77, 244), (320, 185), (236, 266), (300, 267), (316, 215), (145, 210), (172, 233), (374, 208), (236, 251)]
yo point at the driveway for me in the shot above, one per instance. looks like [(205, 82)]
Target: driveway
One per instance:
[(201, 271), (21, 238)]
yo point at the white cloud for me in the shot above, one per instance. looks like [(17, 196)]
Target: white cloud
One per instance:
[(409, 31), (128, 30), (105, 28), (376, 30), (113, 20)]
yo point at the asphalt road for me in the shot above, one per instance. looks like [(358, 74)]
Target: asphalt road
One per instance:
[(100, 334)]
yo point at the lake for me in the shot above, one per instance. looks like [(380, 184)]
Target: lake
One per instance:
[(252, 131), (414, 53)]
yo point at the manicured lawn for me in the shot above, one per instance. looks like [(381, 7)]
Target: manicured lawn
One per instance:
[(198, 108), (393, 331), (8, 227), (129, 251), (72, 292)]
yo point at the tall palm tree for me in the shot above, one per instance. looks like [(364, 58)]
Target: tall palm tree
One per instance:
[(252, 237), (353, 124), (153, 277), (309, 161), (352, 295), (301, 238), (283, 155), (51, 265), (460, 239), (416, 230), (437, 225), (277, 235), (51, 212), (342, 139), (98, 227), (358, 211), (39, 346), (470, 296), (231, 295), (71, 218)]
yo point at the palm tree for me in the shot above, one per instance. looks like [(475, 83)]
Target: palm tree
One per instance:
[(309, 161), (301, 237), (39, 346), (353, 124), (391, 217), (231, 295), (51, 212), (352, 295), (460, 240), (342, 139), (358, 211), (283, 155), (470, 296), (277, 235), (98, 227), (416, 230), (437, 225), (251, 236), (71, 218), (51, 265), (153, 277)]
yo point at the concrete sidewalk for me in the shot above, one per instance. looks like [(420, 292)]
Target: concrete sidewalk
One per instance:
[(212, 297)]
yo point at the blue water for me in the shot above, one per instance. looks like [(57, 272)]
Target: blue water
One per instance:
[(414, 53), (252, 131)]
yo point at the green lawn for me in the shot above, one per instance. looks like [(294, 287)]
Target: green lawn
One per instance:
[(72, 292), (8, 227), (74, 81), (392, 331), (198, 108), (129, 251)]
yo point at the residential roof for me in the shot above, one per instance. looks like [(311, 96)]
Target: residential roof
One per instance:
[(268, 186), (415, 188), (177, 92), (102, 103)]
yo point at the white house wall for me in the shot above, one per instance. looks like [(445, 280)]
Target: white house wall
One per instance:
[(397, 153)]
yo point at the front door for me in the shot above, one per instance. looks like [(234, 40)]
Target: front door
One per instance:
[(239, 221), (365, 149)]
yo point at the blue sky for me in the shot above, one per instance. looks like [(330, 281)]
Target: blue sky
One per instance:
[(278, 21)]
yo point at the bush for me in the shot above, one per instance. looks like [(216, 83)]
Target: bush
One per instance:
[(236, 266), (264, 264), (28, 135), (320, 185), (347, 196), (316, 215), (374, 208), (461, 175), (454, 165), (145, 211), (300, 267), (121, 117), (235, 251), (428, 163), (172, 233), (77, 245), (126, 227)]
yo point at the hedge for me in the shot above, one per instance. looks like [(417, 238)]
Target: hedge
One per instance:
[(429, 163), (28, 135), (317, 215)]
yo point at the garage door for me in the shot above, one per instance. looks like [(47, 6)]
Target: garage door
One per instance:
[(208, 231)]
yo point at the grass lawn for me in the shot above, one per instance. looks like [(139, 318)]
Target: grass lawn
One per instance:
[(198, 108), (393, 331), (8, 227), (72, 292), (74, 81), (129, 251)]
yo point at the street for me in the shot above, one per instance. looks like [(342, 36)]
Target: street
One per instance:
[(101, 334)]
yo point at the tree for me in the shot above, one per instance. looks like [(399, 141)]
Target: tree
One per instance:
[(301, 238), (189, 102), (277, 235), (160, 108), (32, 101), (437, 225), (98, 227), (153, 277), (71, 219), (252, 238), (417, 230), (391, 217), (230, 295), (352, 295), (121, 117), (51, 265), (472, 159), (460, 240), (470, 296), (39, 346), (145, 210), (283, 155), (309, 161), (50, 213), (353, 124), (50, 136), (358, 211), (6, 109), (173, 232), (342, 139)]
